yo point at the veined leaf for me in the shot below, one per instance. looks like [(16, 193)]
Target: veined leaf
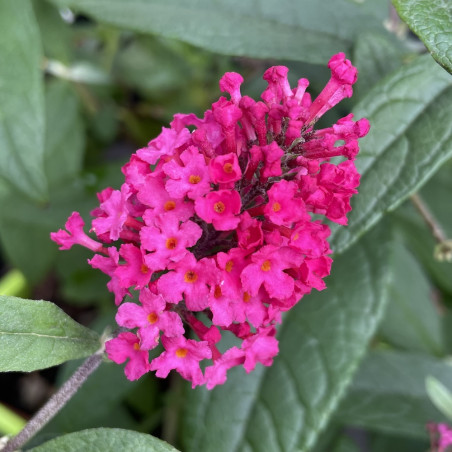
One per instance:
[(305, 30), (431, 20), (22, 117), (35, 334), (105, 440)]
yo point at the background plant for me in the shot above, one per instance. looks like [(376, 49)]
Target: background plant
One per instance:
[(82, 88)]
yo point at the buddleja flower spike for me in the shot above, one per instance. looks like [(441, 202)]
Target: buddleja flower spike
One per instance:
[(214, 227)]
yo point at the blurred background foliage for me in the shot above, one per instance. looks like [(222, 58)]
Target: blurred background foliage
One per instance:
[(108, 89)]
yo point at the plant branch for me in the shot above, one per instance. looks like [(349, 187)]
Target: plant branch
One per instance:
[(429, 218), (55, 403)]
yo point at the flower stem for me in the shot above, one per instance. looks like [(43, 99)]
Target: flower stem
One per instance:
[(55, 403), (422, 208)]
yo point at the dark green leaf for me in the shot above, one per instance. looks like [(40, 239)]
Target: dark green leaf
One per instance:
[(411, 320), (65, 140), (25, 225), (285, 406), (105, 440), (21, 100), (388, 393), (302, 30), (35, 334), (375, 55), (431, 20), (408, 141), (418, 236)]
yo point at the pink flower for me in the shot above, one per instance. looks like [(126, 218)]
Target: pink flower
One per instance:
[(441, 437), (221, 208), (225, 170), (164, 144), (108, 265), (249, 232), (169, 239), (283, 208), (135, 271), (184, 356), (267, 269), (190, 279), (190, 180), (216, 374), (261, 347), (150, 318), (75, 235), (114, 214), (153, 194), (127, 346)]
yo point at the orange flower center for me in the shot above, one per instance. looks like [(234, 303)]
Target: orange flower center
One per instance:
[(229, 265), (276, 207), (171, 243), (219, 207), (169, 205), (227, 167), (181, 352), (246, 297), (152, 318), (144, 268), (136, 346), (266, 266), (194, 179), (190, 276), (217, 293)]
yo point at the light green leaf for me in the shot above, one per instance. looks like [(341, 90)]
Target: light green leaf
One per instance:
[(440, 396), (304, 30), (431, 20), (412, 320), (285, 406), (35, 334), (409, 139), (388, 393), (21, 100), (105, 440)]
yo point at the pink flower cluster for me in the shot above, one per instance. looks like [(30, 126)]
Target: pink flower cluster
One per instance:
[(440, 437), (214, 225)]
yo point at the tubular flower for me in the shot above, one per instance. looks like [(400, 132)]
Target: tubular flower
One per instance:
[(214, 225)]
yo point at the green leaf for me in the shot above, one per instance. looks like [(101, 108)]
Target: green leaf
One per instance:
[(418, 236), (409, 139), (65, 139), (25, 225), (105, 440), (285, 406), (431, 21), (300, 30), (411, 320), (21, 100), (375, 55), (440, 396), (38, 334), (388, 393)]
